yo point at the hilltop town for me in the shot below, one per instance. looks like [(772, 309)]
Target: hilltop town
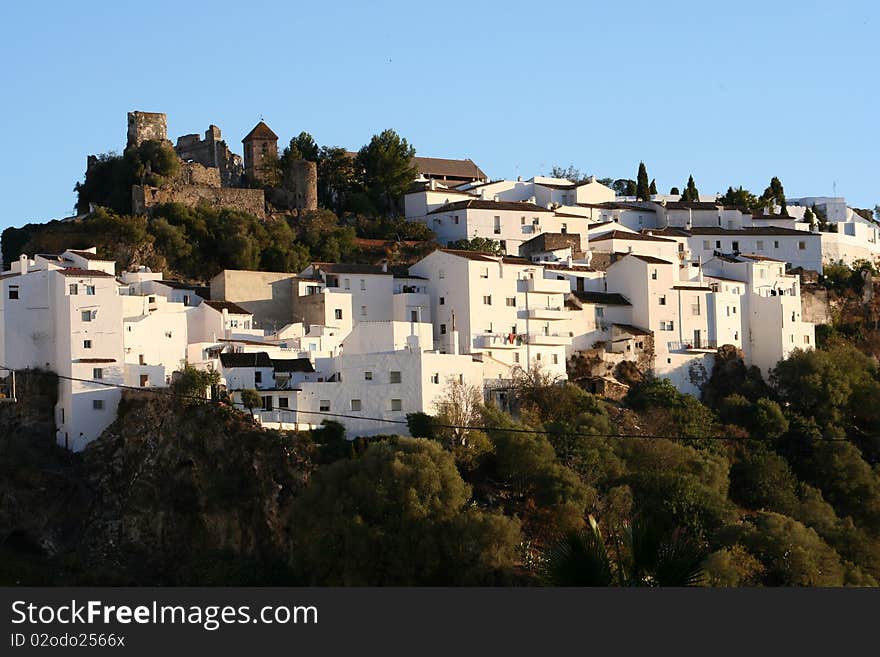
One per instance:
[(205, 371), (567, 278)]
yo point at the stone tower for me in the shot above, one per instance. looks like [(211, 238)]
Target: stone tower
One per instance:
[(143, 126), (302, 182), (258, 143)]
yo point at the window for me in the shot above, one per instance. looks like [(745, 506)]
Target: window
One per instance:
[(775, 244), (442, 274), (435, 378), (455, 219), (73, 288), (717, 244), (394, 377), (484, 272), (13, 291), (802, 245), (727, 308), (760, 245), (442, 301), (363, 311), (734, 309), (662, 300), (346, 283), (487, 299), (791, 339), (654, 275), (185, 299), (258, 377), (695, 307), (87, 344), (324, 405), (145, 380), (283, 402), (516, 357), (355, 404), (413, 315), (497, 226), (233, 323), (368, 376), (555, 359), (667, 325), (149, 299), (564, 229), (735, 245), (90, 291), (97, 373), (443, 329), (98, 404), (806, 339), (522, 221), (141, 360), (337, 313), (396, 405), (707, 245), (600, 312), (363, 284)]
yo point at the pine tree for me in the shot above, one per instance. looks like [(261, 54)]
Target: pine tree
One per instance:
[(674, 192), (642, 191), (691, 193), (653, 188)]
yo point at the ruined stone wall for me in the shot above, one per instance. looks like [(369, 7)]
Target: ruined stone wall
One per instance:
[(192, 173), (212, 151), (814, 304), (144, 198), (299, 188), (143, 126)]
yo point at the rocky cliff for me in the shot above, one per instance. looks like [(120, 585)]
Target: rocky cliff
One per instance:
[(169, 495)]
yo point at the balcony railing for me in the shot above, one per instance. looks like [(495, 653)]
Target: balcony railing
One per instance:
[(693, 345)]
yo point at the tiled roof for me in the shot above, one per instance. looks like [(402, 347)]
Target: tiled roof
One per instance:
[(438, 166), (95, 360), (246, 359), (552, 242), (292, 365), (486, 257), (345, 268), (607, 298), (650, 259), (260, 131), (482, 204), (88, 255), (232, 308), (84, 273), (621, 235), (755, 230), (635, 330), (696, 205)]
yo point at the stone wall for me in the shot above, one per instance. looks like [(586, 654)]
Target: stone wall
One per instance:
[(814, 304), (144, 197), (212, 151), (143, 126), (299, 188), (192, 173)]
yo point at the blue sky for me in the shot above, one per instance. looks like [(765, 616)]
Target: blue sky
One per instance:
[(733, 94)]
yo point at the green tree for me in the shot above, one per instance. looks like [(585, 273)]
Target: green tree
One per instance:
[(301, 147), (250, 399), (642, 187), (416, 528), (480, 244), (386, 168), (194, 383), (674, 192), (774, 195), (691, 193), (740, 198), (653, 188)]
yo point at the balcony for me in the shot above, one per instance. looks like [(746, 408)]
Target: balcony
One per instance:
[(550, 312), (549, 339), (498, 341), (544, 286), (693, 346)]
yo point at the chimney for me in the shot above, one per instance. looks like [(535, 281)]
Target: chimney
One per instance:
[(591, 179), (22, 264), (519, 179)]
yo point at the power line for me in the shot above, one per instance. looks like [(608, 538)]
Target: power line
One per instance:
[(549, 432)]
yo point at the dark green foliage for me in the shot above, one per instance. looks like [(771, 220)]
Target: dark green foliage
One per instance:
[(762, 479), (774, 195), (109, 178), (639, 555), (691, 193), (674, 192), (481, 244), (653, 188), (642, 187), (195, 384), (740, 198), (386, 168), (398, 515)]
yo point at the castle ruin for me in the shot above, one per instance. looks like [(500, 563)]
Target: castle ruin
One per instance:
[(212, 174)]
